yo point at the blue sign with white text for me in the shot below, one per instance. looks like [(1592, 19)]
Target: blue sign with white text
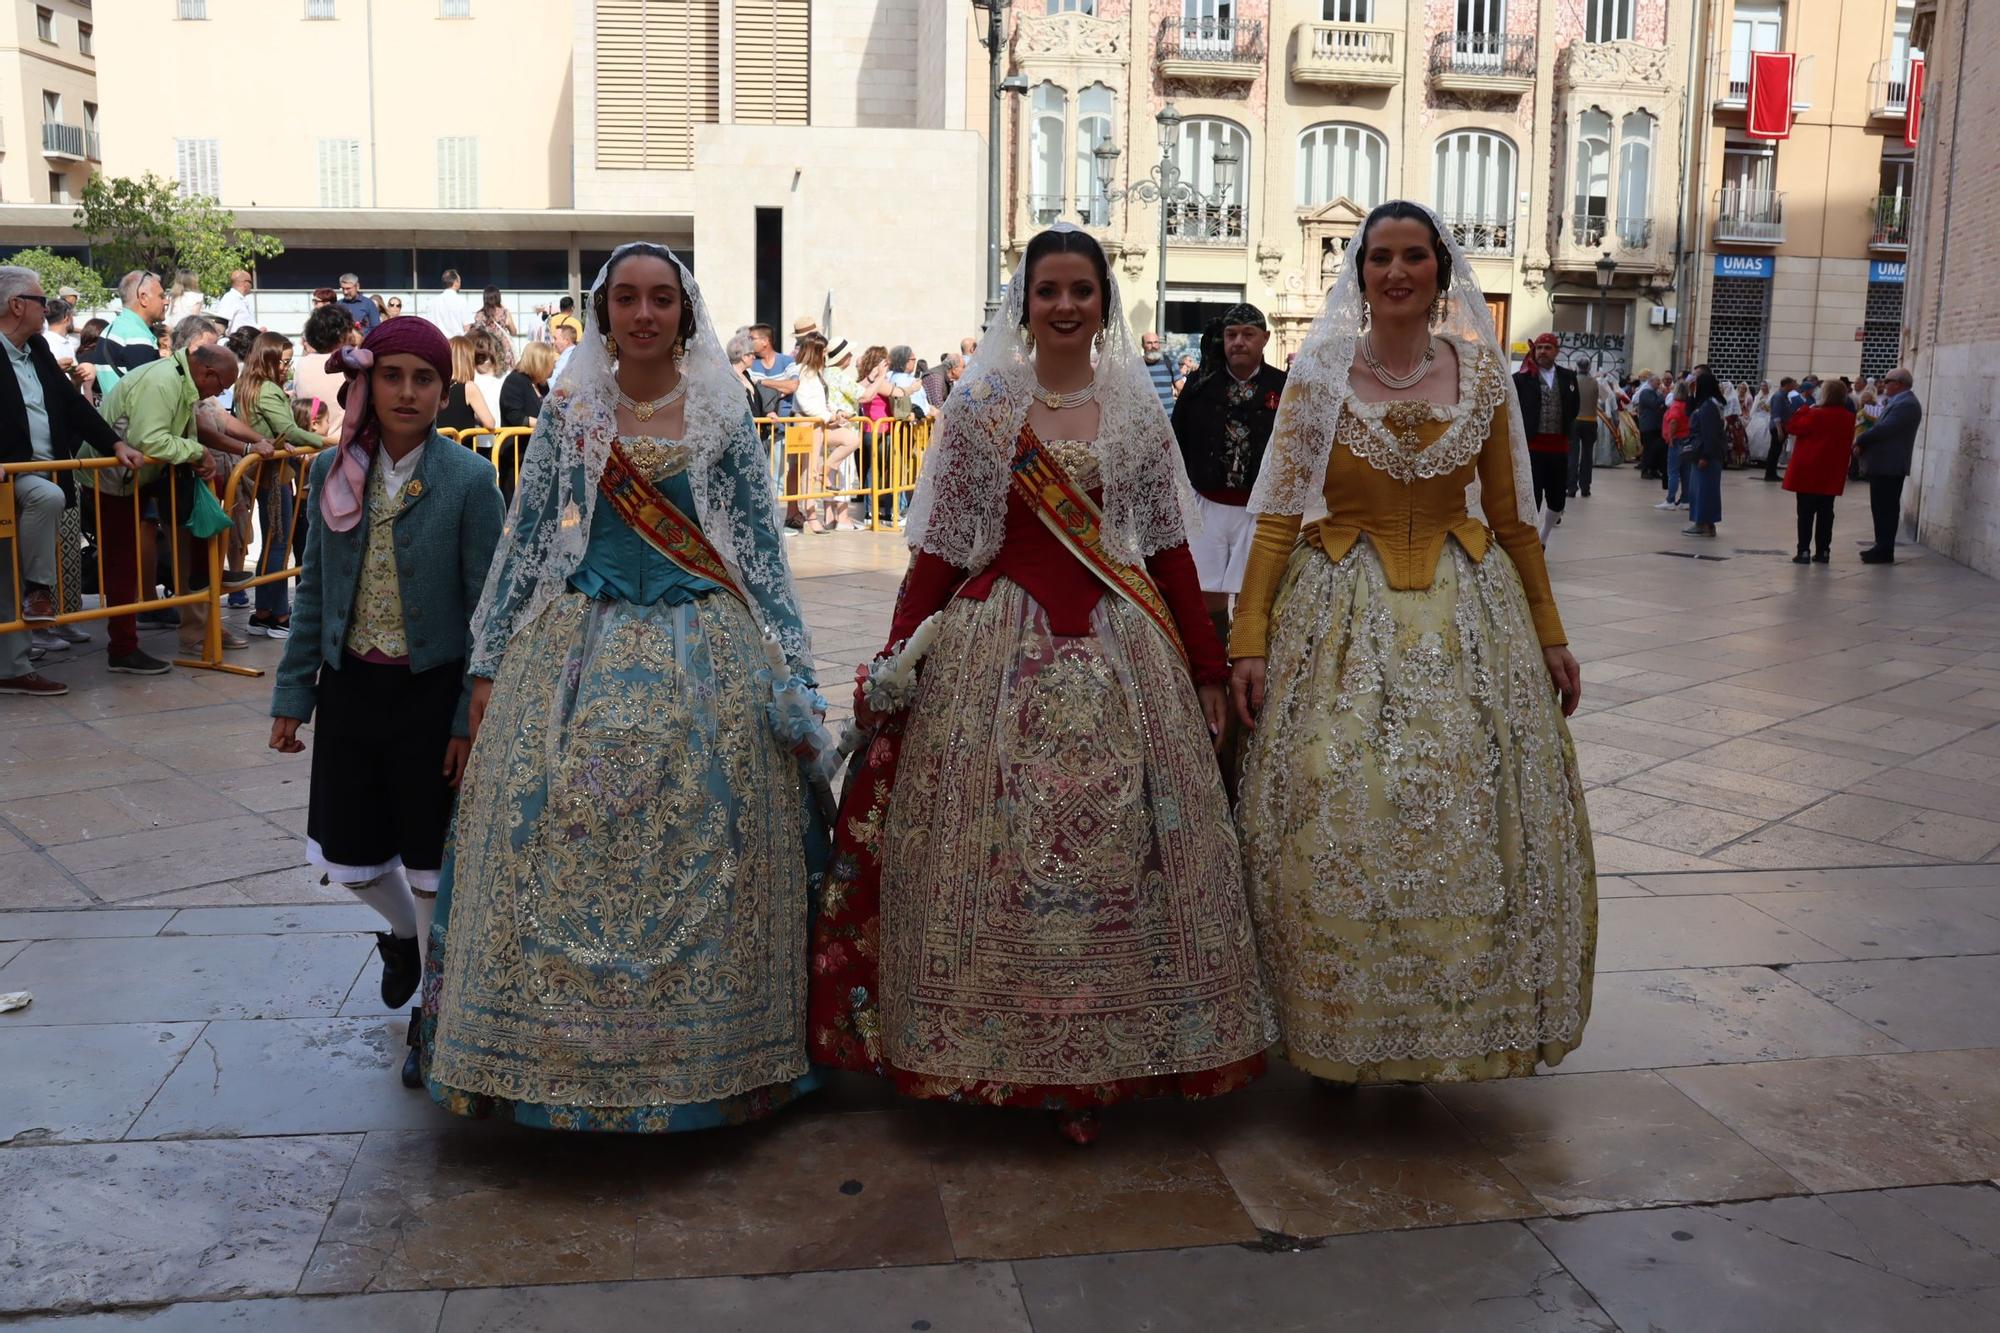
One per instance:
[(1888, 270), (1745, 266)]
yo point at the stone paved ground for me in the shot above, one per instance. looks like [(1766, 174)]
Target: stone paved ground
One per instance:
[(1785, 1115)]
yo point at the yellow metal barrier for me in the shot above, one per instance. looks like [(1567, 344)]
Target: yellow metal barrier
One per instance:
[(92, 501), (892, 451)]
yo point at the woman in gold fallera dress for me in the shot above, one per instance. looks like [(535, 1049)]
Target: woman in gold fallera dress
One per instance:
[(1416, 848)]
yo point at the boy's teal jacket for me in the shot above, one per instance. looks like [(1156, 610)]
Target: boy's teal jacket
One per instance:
[(445, 535)]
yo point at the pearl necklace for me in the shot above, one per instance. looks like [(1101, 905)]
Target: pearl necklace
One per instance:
[(643, 411), (1057, 402), (1395, 381)]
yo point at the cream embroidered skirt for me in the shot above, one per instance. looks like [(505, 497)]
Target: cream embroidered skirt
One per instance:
[(1416, 846), (1060, 897)]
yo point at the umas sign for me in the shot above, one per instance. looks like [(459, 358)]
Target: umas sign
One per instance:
[(1745, 266)]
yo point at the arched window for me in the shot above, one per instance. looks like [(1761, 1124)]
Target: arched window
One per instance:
[(1474, 188), (1049, 109), (1336, 160), (1093, 127), (1223, 218), (1592, 196), (1635, 173)]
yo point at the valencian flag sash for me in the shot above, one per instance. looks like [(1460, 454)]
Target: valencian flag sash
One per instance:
[(1078, 524), (664, 528), (1768, 110), (1913, 101)]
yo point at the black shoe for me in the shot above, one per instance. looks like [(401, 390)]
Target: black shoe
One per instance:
[(1801, 559), (413, 1063), (402, 968), (1822, 559), (167, 619), (1586, 492), (136, 663), (1872, 556)]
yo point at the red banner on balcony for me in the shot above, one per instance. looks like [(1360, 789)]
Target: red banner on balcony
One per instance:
[(1768, 110), (1913, 102)]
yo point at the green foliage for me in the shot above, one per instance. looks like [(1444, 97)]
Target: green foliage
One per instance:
[(147, 224), (60, 271)]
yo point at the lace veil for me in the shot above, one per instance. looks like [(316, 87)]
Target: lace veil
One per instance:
[(1316, 391), (548, 527), (960, 506)]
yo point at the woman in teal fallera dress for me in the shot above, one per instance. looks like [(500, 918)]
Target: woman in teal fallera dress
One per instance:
[(622, 923)]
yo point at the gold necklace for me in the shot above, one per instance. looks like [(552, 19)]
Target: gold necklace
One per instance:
[(643, 411)]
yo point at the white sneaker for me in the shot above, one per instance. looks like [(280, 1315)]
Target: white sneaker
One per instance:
[(1667, 504), (50, 642), (71, 633)]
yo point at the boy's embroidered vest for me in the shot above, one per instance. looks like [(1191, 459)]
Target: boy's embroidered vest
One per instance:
[(377, 624)]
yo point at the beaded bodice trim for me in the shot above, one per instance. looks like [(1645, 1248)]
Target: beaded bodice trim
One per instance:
[(1387, 435), (1078, 458), (655, 459)]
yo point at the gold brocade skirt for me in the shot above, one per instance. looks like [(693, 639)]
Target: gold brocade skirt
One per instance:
[(1416, 846), (1061, 902)]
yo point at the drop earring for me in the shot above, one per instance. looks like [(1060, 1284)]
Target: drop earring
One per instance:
[(611, 346), (1367, 316)]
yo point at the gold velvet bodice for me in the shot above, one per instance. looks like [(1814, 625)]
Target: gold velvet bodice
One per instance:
[(1376, 488)]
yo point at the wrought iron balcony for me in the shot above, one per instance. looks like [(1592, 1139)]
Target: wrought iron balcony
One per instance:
[(1483, 62), (1892, 222), (1206, 224), (1592, 230), (1350, 54), (1226, 49), (1889, 90), (1045, 209), (59, 140), (1749, 217), (1479, 235)]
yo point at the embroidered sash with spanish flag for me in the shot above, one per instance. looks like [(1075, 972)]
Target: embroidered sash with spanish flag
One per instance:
[(1079, 525), (665, 528)]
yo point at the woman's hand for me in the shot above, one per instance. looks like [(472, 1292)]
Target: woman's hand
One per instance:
[(1701, 463), (456, 751), (1215, 708), (475, 713), (1565, 675), (285, 735), (864, 716), (1246, 687)]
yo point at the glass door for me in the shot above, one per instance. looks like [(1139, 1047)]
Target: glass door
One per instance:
[(1756, 27)]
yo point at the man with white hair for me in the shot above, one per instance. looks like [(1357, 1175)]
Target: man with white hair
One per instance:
[(42, 417), (129, 343), (233, 306)]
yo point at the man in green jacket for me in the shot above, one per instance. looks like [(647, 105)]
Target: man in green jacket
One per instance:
[(153, 411)]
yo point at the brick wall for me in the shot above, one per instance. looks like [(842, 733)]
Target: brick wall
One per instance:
[(1953, 319)]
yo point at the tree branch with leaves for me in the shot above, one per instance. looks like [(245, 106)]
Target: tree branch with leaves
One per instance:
[(148, 224)]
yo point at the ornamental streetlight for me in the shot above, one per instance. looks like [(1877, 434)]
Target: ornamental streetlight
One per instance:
[(995, 42), (1607, 273), (1163, 185)]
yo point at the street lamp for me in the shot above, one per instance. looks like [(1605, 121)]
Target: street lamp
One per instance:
[(995, 42), (1607, 273), (1163, 185)]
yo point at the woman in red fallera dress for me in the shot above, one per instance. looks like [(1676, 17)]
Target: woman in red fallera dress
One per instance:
[(1036, 896)]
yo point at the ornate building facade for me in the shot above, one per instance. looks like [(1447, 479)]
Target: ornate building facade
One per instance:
[(1547, 134)]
